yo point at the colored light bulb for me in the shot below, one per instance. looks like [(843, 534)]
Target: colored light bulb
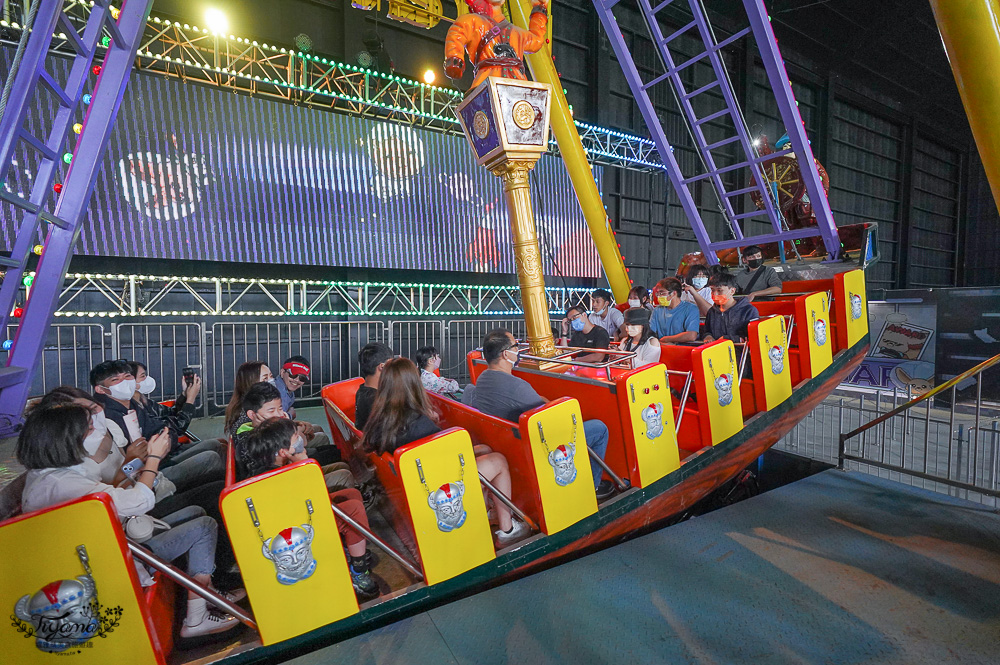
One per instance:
[(77, 128), (105, 41), (57, 188), (115, 13), (18, 312), (68, 157), (37, 249), (28, 279), (96, 69), (88, 98), (7, 344)]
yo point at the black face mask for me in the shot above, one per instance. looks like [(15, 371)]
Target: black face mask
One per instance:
[(754, 263)]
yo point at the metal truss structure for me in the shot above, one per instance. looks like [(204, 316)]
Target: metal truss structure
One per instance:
[(191, 53), (87, 295)]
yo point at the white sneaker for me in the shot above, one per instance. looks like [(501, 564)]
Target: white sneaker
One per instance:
[(518, 531), (213, 622)]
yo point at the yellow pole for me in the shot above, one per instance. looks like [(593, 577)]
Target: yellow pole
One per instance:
[(970, 30), (580, 174)]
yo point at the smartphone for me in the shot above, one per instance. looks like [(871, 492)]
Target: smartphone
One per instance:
[(189, 375)]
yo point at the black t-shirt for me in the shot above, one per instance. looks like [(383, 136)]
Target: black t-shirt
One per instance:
[(597, 338), (363, 401)]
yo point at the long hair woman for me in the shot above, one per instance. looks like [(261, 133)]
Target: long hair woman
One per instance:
[(248, 374), (402, 413), (640, 338)]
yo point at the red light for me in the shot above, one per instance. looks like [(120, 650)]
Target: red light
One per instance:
[(18, 311), (57, 188), (96, 69)]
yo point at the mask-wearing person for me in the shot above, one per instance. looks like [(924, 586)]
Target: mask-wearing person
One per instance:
[(147, 385)]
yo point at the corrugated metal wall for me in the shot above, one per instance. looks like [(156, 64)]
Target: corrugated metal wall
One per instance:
[(883, 165)]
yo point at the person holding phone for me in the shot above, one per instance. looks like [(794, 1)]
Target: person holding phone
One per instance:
[(62, 457), (138, 419)]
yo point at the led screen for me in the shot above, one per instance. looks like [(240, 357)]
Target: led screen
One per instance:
[(193, 172)]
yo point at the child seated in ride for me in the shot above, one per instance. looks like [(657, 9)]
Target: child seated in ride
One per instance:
[(277, 442), (63, 450), (428, 360), (250, 373), (639, 338), (261, 402), (402, 414), (372, 358)]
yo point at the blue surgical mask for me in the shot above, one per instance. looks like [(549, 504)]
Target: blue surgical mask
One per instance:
[(699, 282), (299, 446), (577, 324)]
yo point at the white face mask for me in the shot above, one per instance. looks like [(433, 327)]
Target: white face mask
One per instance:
[(147, 386), (634, 302), (699, 282), (633, 331), (94, 439), (272, 381), (123, 390)]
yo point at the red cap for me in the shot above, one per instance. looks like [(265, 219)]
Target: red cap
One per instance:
[(296, 368)]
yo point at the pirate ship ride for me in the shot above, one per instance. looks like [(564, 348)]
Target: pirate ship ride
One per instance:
[(678, 429)]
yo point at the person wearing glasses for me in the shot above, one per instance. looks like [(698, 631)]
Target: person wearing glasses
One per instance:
[(500, 394), (586, 334), (295, 374)]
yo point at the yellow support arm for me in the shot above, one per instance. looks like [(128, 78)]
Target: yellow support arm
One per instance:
[(970, 30), (577, 165)]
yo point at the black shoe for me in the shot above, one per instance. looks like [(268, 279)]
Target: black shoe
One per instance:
[(370, 493), (605, 489), (365, 588)]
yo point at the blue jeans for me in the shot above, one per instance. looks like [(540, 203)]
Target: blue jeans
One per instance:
[(192, 532), (597, 440)]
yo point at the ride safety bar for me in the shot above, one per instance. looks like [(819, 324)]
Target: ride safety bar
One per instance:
[(213, 597)]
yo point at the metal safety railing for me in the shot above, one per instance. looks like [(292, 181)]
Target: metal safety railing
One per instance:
[(217, 348), (908, 448)]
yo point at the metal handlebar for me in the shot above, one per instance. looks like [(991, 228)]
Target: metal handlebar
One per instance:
[(190, 584), (507, 502), (377, 541)]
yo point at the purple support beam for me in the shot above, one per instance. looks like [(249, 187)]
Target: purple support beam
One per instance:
[(784, 99), (655, 129), (77, 190), (777, 76)]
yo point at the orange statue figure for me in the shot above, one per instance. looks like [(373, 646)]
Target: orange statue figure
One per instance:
[(495, 46)]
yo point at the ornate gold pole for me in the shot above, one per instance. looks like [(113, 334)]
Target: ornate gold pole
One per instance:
[(527, 258), (506, 122)]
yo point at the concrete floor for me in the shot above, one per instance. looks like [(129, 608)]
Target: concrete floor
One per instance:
[(836, 568)]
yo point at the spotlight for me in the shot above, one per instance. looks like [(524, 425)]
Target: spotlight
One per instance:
[(304, 42), (216, 21), (429, 77)]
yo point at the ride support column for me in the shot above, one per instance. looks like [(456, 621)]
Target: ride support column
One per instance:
[(970, 30)]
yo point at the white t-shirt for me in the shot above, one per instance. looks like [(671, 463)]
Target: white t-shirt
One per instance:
[(705, 293), (47, 487), (647, 354)]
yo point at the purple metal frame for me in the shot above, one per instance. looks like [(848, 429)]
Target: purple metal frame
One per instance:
[(78, 185), (760, 27)]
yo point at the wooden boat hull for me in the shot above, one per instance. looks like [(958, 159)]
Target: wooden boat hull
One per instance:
[(629, 515)]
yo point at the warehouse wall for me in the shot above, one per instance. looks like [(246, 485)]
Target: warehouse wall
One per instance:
[(873, 86)]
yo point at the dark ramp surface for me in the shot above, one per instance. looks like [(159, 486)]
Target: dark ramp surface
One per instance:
[(836, 568)]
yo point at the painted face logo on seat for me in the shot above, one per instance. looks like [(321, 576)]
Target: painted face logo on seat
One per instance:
[(819, 331), (65, 613), (446, 502), (724, 386), (652, 415), (291, 553), (855, 307), (561, 461), (777, 356)]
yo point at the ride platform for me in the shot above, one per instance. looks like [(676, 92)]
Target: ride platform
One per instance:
[(838, 567)]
